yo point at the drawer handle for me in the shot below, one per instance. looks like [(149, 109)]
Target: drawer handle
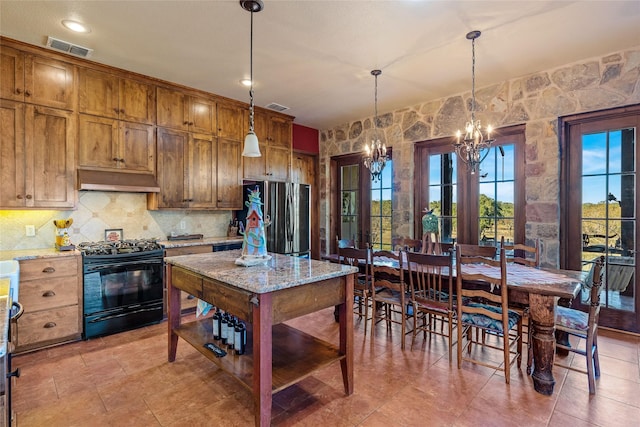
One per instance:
[(49, 270), (50, 325), (49, 293)]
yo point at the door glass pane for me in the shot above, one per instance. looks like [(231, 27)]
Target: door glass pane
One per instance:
[(349, 197), (381, 212), (497, 196), (609, 214), (443, 193)]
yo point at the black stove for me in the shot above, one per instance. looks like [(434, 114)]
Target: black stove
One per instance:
[(118, 247)]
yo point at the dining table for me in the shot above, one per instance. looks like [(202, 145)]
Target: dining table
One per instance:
[(539, 289)]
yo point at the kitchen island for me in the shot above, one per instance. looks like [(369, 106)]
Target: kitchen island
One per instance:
[(264, 296)]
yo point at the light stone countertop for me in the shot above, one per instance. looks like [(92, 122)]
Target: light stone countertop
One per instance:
[(280, 272), (168, 244), (24, 254)]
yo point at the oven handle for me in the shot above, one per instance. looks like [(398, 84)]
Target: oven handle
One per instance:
[(90, 268), (126, 313)]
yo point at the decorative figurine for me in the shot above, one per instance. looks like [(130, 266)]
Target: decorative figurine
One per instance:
[(430, 231), (254, 242), (63, 241)]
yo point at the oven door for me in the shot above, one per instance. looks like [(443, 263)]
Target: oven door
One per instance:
[(121, 284)]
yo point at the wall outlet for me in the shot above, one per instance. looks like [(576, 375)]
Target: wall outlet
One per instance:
[(30, 230), (183, 225)]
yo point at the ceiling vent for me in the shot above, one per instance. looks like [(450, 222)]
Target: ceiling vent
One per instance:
[(276, 107), (67, 47)]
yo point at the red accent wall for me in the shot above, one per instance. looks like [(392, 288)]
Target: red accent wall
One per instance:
[(305, 139)]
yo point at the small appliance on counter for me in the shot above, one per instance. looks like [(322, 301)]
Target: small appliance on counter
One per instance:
[(63, 242)]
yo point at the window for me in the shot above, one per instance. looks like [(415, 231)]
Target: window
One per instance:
[(473, 208), (381, 210)]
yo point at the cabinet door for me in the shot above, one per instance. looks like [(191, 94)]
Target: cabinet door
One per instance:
[(171, 177), (201, 171), (303, 169), (137, 101), (137, 147), (278, 161), (230, 118), (98, 145), (50, 144), (172, 109), (11, 74), (229, 174), (12, 156), (280, 132), (98, 93), (202, 115), (49, 82)]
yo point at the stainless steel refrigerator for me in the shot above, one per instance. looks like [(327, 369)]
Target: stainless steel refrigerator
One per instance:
[(287, 205)]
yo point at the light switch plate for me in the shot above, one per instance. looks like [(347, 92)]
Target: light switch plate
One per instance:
[(30, 230)]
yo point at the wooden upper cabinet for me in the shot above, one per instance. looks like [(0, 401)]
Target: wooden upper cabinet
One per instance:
[(36, 79), (110, 144), (178, 110), (229, 174), (230, 121), (108, 95), (38, 157), (275, 139)]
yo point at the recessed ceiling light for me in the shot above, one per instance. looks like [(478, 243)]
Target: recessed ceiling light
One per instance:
[(76, 26), (245, 82)]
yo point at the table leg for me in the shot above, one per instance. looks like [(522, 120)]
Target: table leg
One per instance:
[(542, 311), (346, 336), (173, 314), (262, 359)]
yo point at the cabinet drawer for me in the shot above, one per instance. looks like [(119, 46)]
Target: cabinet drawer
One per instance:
[(188, 250), (48, 325), (48, 268), (47, 294)]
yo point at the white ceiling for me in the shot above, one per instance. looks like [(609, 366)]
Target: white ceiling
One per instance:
[(315, 57)]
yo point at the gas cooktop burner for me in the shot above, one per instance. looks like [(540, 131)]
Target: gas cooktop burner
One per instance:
[(118, 247)]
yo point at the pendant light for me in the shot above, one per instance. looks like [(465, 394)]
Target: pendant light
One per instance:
[(376, 153), (474, 147), (251, 146)]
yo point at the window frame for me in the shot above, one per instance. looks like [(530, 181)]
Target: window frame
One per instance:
[(468, 185)]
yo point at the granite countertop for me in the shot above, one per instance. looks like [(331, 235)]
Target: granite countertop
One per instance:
[(280, 272), (23, 254), (167, 244)]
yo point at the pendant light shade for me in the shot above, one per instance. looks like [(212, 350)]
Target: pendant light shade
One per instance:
[(251, 146)]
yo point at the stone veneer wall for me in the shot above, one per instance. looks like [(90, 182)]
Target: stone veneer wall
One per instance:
[(536, 100), (97, 211)]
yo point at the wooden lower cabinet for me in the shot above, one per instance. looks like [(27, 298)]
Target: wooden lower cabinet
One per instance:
[(187, 301), (51, 294)]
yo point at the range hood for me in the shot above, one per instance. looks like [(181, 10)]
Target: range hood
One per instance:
[(117, 181)]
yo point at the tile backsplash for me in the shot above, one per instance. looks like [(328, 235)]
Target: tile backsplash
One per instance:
[(97, 211)]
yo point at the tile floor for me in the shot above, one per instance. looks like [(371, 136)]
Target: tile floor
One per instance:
[(125, 380)]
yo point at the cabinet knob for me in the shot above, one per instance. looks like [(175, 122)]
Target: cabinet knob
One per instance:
[(29, 197), (19, 197), (49, 270), (185, 122), (27, 93), (49, 293), (18, 91), (115, 159), (190, 123), (115, 110), (122, 111), (50, 325)]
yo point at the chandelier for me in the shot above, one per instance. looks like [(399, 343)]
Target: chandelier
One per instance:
[(376, 153), (473, 147), (251, 146)]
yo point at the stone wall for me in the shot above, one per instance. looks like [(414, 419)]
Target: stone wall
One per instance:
[(536, 100)]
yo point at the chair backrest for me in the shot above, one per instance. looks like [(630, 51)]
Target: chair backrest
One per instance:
[(387, 270), (406, 244), (345, 243), (476, 251), (520, 253), (357, 258), (484, 272), (594, 306), (441, 248), (430, 279)]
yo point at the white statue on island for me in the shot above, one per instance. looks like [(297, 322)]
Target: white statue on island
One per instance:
[(254, 242)]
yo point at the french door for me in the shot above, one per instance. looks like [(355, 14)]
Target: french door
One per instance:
[(600, 173), (361, 208)]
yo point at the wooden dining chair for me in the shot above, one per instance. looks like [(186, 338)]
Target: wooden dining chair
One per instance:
[(388, 291), (406, 244), (431, 286), (585, 326), (494, 317), (345, 243), (362, 286)]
